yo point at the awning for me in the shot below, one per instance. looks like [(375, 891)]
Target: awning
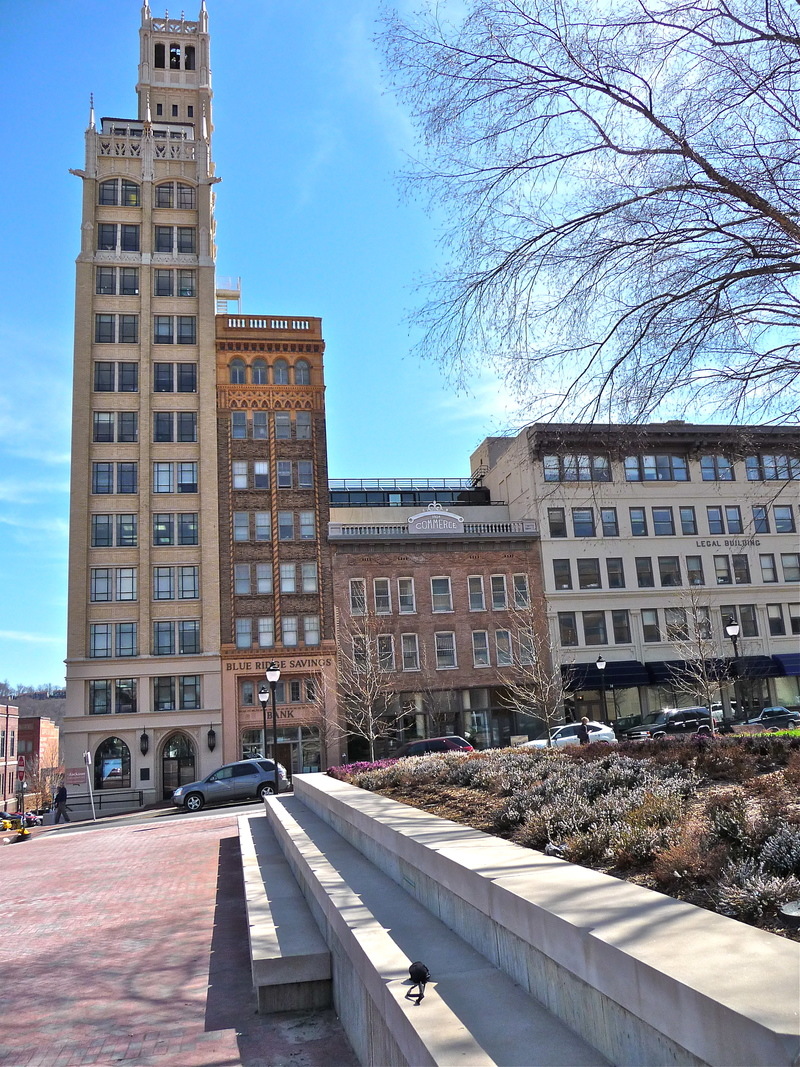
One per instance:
[(621, 674), (757, 667), (666, 671), (789, 663)]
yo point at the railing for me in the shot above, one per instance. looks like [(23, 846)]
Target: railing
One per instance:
[(244, 322), (400, 483), (105, 798), (516, 528)]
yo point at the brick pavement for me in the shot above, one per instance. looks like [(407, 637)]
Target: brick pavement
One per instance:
[(127, 945)]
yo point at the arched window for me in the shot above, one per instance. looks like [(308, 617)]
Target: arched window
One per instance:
[(112, 765), (175, 194), (302, 373), (237, 373), (174, 57), (160, 56), (259, 372), (188, 54), (119, 191), (280, 372)]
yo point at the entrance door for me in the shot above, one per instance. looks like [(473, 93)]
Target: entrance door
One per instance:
[(177, 764)]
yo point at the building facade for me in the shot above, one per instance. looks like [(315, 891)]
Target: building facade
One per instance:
[(652, 535), (143, 665), (9, 734), (275, 572), (433, 587)]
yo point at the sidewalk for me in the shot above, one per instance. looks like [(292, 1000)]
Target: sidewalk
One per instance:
[(127, 945)]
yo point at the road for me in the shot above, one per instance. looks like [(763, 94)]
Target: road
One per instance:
[(126, 944)]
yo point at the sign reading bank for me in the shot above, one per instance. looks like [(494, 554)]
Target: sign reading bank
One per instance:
[(435, 521)]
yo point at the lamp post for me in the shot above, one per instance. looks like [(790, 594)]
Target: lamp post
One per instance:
[(601, 666), (273, 675), (732, 629)]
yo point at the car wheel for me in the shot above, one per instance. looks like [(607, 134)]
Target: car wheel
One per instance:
[(659, 737), (266, 790), (194, 802)]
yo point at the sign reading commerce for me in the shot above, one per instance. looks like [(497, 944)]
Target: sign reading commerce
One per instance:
[(436, 521)]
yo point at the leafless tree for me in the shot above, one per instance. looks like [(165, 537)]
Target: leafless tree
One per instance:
[(44, 771), (689, 629), (535, 684), (365, 676), (329, 729), (621, 196)]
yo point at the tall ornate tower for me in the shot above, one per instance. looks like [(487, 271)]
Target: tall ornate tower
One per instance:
[(143, 667)]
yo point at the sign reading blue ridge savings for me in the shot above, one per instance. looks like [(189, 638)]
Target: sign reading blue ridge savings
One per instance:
[(436, 521)]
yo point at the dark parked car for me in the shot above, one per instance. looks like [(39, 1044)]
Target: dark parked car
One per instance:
[(776, 718), (670, 722), (247, 779), (434, 744)]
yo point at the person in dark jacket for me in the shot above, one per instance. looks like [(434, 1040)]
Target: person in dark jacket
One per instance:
[(60, 804), (583, 731)]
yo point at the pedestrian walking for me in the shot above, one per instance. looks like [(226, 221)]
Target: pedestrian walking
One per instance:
[(60, 804), (583, 731)]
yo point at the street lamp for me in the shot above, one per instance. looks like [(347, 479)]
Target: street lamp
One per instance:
[(601, 666), (732, 629), (273, 675)]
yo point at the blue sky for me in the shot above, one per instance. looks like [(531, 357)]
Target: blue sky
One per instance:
[(310, 213)]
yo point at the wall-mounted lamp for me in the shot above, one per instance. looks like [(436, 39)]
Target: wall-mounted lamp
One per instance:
[(212, 739), (144, 744)]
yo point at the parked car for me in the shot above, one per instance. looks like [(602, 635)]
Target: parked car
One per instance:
[(718, 711), (433, 744), (776, 718), (247, 779), (670, 722), (568, 735)]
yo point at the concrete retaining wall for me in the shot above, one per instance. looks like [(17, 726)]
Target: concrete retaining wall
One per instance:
[(645, 979)]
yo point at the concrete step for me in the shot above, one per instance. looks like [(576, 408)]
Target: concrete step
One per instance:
[(472, 1014)]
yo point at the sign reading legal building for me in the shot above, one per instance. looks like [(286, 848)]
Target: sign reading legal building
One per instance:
[(436, 522)]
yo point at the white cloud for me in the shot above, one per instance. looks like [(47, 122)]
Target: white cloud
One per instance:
[(29, 492), (29, 638)]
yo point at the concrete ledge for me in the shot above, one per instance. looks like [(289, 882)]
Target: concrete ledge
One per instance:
[(290, 961), (473, 1014), (647, 979)]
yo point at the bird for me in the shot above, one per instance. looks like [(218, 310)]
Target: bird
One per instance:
[(420, 976)]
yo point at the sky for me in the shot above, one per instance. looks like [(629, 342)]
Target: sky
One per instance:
[(312, 214)]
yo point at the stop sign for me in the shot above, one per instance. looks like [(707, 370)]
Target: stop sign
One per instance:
[(21, 769)]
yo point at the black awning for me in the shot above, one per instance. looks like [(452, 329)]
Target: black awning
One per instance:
[(757, 667), (666, 670), (621, 674), (670, 670), (789, 663)]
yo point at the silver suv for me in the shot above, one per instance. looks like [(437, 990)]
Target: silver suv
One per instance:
[(247, 779)]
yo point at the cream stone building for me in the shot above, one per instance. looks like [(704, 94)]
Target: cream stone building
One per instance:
[(143, 660), (647, 530)]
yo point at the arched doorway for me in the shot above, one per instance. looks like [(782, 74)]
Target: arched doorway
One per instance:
[(112, 765), (177, 763)]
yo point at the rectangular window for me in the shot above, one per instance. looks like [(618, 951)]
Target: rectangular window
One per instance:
[(650, 630), (188, 528), (557, 523), (187, 477), (127, 426), (244, 633), (106, 237), (105, 329), (760, 519), (663, 522), (777, 626), (102, 477), (187, 330), (358, 596), (189, 688), (263, 525), (445, 650), (480, 648), (189, 637), (385, 650), (186, 377), (475, 593), (567, 629), (716, 469), (99, 701), (103, 424), (441, 595), (621, 626), (288, 573), (790, 564), (784, 518), (239, 474), (128, 329), (669, 570), (289, 630), (594, 628), (162, 426), (100, 584), (307, 523), (722, 570), (284, 471), (741, 570), (311, 634), (498, 587), (747, 618), (562, 573), (615, 572), (688, 521), (241, 579), (163, 378), (163, 478), (406, 602), (638, 522), (241, 526), (308, 577), (285, 526), (521, 592), (656, 468), (733, 517), (302, 425), (186, 240), (129, 281), (102, 531), (410, 647), (163, 284), (283, 426), (305, 474), (583, 522), (163, 529), (675, 624), (126, 644), (188, 583), (105, 281), (502, 648), (769, 572), (770, 468), (163, 330), (125, 583), (127, 377), (382, 595), (259, 425), (794, 618), (694, 570), (644, 572), (264, 577), (163, 583), (100, 640), (716, 523), (125, 696), (238, 425), (266, 631), (128, 238), (609, 522), (104, 377), (589, 573)]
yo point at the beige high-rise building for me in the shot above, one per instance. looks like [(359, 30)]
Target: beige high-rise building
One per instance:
[(143, 666)]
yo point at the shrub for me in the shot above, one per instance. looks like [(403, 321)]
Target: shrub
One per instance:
[(780, 853), (746, 891)]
